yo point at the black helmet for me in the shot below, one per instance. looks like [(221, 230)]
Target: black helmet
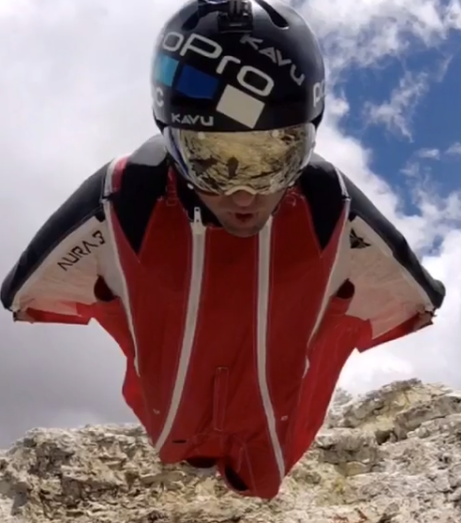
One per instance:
[(238, 92)]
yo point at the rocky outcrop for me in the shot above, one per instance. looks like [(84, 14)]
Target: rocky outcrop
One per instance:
[(392, 456)]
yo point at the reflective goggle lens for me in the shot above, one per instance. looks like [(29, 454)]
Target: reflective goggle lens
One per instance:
[(260, 162)]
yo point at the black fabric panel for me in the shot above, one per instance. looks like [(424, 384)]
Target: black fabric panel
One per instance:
[(323, 192), (141, 187), (83, 203)]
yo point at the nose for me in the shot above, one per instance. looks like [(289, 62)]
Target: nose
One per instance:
[(242, 199)]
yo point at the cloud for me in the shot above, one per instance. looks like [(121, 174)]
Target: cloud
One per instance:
[(429, 153), (396, 113), (418, 161), (363, 34), (423, 170), (454, 149), (75, 93)]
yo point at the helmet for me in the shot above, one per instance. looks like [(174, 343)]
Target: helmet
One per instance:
[(238, 92)]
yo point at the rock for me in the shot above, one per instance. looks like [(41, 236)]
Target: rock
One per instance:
[(350, 449), (391, 456)]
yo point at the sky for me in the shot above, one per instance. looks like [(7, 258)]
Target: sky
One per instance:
[(74, 93)]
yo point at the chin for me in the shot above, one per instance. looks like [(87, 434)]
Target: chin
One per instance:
[(243, 232)]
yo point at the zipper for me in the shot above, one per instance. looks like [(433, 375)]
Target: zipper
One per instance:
[(193, 303)]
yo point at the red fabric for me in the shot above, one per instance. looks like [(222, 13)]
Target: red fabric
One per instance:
[(221, 414), (32, 315), (401, 330)]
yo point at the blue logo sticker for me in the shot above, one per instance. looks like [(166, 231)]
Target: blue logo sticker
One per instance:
[(195, 84), (191, 81), (165, 69)]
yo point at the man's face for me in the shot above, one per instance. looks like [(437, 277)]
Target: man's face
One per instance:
[(241, 213)]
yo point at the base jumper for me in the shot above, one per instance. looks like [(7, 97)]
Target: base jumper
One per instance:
[(236, 268)]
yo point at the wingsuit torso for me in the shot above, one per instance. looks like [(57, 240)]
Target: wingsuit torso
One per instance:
[(233, 345)]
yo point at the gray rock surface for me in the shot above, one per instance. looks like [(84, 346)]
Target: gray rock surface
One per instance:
[(391, 456)]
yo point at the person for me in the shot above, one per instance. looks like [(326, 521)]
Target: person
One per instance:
[(235, 267)]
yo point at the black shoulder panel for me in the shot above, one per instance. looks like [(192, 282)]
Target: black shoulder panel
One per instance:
[(321, 187), (362, 207), (84, 203), (144, 181)]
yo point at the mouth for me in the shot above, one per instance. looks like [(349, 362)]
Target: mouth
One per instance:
[(244, 217)]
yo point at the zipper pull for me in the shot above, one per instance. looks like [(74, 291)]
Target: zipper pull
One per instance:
[(197, 225)]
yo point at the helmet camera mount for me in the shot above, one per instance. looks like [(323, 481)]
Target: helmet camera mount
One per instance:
[(234, 16)]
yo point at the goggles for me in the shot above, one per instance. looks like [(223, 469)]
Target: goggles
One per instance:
[(258, 162)]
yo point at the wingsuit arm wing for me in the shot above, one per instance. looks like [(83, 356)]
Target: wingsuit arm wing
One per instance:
[(395, 293), (55, 276)]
